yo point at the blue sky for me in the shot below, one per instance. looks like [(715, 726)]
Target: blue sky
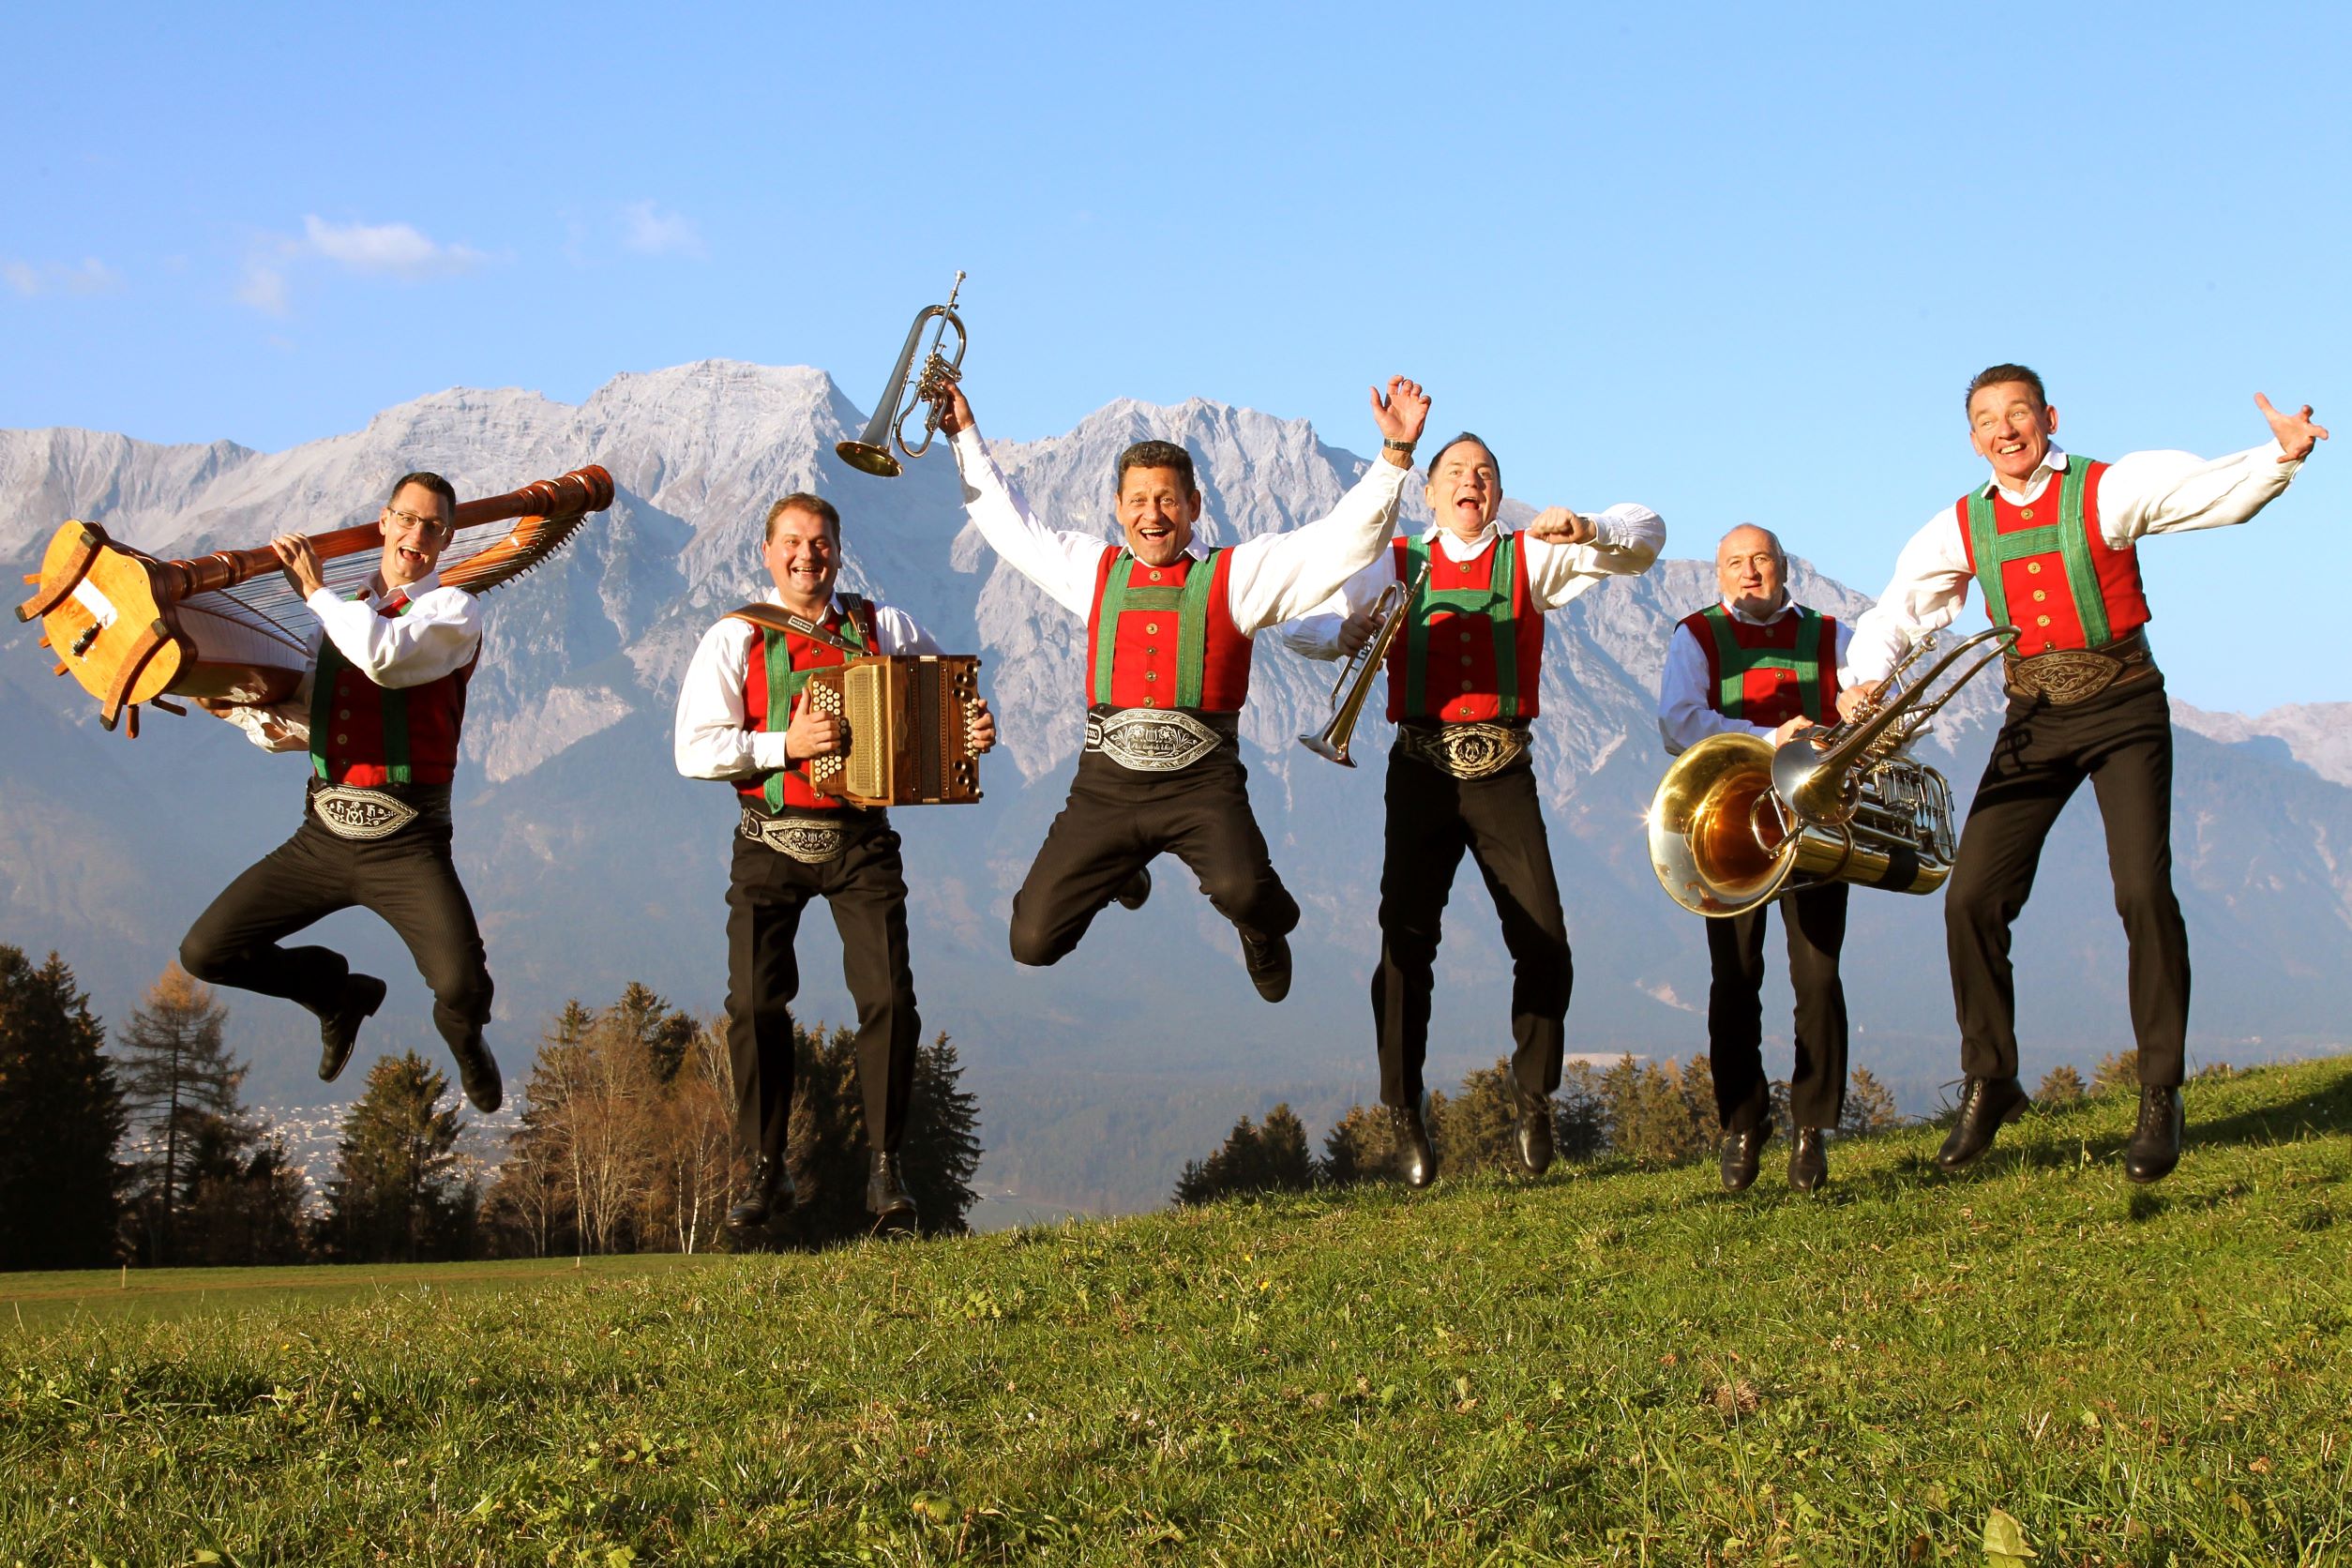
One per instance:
[(1736, 263)]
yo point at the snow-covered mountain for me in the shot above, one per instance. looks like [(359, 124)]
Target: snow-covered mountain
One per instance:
[(593, 863)]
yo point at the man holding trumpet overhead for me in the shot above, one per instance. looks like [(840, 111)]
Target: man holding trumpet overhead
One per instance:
[(1168, 635), (742, 718), (2051, 539), (1756, 662), (1464, 673), (380, 720)]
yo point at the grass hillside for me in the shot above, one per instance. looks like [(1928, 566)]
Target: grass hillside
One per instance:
[(1602, 1366)]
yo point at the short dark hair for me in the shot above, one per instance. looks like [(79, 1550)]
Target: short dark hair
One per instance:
[(801, 500), (1155, 454), (433, 482), (1993, 375), (1467, 435)]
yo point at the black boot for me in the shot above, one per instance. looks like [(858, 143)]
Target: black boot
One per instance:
[(1269, 961), (338, 1030), (1742, 1151), (886, 1196), (1535, 1132), (1135, 889), (1809, 1161), (772, 1195), (477, 1070), (2155, 1146), (1416, 1161), (1986, 1104)]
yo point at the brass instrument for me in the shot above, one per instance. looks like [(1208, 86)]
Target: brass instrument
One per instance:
[(1736, 823), (870, 452), (1354, 685)]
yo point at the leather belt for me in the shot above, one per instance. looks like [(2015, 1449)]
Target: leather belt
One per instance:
[(2072, 675), (366, 812), (1157, 740), (1465, 750), (813, 840)]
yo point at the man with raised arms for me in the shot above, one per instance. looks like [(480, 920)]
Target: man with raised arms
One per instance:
[(1168, 637), (742, 718), (1756, 662), (1464, 677), (2051, 539)]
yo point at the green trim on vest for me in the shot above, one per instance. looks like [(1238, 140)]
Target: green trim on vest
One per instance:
[(1492, 602), (2069, 538), (392, 702), (783, 678), (1189, 600), (1733, 662)]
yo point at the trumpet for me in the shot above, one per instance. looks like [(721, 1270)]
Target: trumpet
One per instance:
[(1354, 685), (870, 452)]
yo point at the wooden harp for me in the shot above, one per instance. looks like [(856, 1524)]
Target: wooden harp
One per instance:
[(227, 626)]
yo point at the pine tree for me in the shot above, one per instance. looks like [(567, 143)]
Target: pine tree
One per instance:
[(1285, 1165), (400, 1193), (532, 1210), (2120, 1070), (1870, 1105), (2060, 1086), (1580, 1129), (61, 1117), (1271, 1159), (1479, 1127), (180, 1086), (1360, 1147), (942, 1140), (242, 1202)]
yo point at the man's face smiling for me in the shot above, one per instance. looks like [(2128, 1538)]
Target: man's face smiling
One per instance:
[(1749, 573), (804, 557), (1157, 513), (1465, 489), (2011, 429), (415, 525)]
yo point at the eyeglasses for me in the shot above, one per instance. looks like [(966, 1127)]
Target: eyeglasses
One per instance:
[(425, 525)]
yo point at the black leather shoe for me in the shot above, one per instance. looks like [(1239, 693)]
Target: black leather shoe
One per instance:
[(1416, 1160), (2155, 1146), (1809, 1161), (1535, 1133), (886, 1196), (772, 1194), (478, 1069), (1986, 1104), (338, 1031), (1742, 1154), (1269, 961), (1135, 889)]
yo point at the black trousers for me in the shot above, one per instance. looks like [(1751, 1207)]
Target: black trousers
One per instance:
[(407, 878), (1816, 922), (2121, 741), (1432, 818), (766, 891), (1118, 821)]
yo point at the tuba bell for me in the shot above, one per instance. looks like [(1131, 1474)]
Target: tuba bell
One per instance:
[(1736, 823), (870, 452), (1354, 685)]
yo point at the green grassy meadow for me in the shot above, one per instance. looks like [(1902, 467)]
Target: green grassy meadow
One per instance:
[(1603, 1366)]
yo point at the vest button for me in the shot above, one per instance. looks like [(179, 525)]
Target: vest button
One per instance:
[(2027, 513), (2041, 620), (1154, 674), (1151, 628), (2041, 594), (1150, 702), (1151, 651), (2034, 567), (1466, 661), (342, 740), (1466, 636), (1155, 577), (1466, 685), (345, 714), (2047, 645)]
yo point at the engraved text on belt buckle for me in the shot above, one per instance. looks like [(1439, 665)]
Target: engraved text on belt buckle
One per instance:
[(811, 843), (2068, 677), (1470, 750), (1146, 740), (349, 812)]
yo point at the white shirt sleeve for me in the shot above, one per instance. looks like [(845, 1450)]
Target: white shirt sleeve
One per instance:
[(441, 629), (279, 725), (1280, 576), (2178, 492), (1628, 537), (1930, 584), (713, 739), (1062, 563), (897, 632), (1316, 635)]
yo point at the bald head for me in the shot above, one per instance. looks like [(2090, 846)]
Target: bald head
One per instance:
[(1752, 570)]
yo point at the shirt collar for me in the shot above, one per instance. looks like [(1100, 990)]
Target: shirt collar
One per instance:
[(833, 605), (2053, 461), (1471, 546), (412, 593), (1788, 607)]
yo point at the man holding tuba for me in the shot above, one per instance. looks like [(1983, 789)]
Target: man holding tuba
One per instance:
[(1464, 673), (1170, 626), (1756, 662), (2051, 539), (741, 717)]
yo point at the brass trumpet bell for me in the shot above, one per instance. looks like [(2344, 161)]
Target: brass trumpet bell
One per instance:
[(908, 390)]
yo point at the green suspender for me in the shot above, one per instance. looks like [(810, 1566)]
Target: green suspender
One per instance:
[(2069, 535), (1191, 604), (1733, 662), (784, 688), (393, 701), (1492, 602)]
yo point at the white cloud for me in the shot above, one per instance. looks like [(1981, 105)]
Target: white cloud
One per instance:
[(650, 230), (396, 250), (88, 276), (263, 288)]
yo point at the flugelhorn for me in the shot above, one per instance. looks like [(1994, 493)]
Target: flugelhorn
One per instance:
[(1354, 685), (870, 452), (1736, 823)]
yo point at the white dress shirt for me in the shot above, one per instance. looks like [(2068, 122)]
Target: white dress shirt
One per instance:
[(440, 630), (1271, 578), (714, 739), (1685, 716), (1626, 538), (2141, 494)]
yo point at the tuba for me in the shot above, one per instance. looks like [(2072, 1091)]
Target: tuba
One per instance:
[(1736, 823), (870, 452), (1354, 685)]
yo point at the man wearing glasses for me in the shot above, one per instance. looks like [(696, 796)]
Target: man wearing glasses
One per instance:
[(379, 713)]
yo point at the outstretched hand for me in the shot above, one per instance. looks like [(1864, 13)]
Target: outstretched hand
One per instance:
[(1402, 413), (300, 561), (955, 413), (1557, 525), (2296, 434)]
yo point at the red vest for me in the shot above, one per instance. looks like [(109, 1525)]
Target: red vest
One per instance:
[(1173, 643), (2058, 552), (365, 734), (1765, 679), (1471, 649), (789, 787)]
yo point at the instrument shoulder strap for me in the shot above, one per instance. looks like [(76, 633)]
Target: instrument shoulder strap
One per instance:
[(1990, 550)]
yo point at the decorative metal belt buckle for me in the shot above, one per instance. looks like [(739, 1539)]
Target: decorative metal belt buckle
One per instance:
[(1148, 740), (2070, 675), (1474, 750), (350, 812), (811, 843)]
